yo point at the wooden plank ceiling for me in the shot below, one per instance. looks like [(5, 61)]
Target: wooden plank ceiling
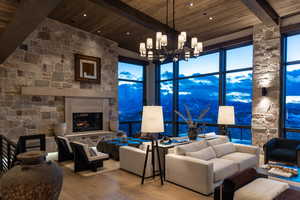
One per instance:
[(7, 11), (228, 16)]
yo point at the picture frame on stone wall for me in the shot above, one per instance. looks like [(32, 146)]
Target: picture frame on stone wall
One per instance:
[(87, 69)]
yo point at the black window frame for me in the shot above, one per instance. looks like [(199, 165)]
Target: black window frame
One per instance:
[(143, 64), (222, 83), (283, 70)]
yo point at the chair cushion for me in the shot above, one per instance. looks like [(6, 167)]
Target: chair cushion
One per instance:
[(283, 155), (224, 149), (223, 168), (192, 147), (261, 189), (97, 155), (244, 160), (204, 154), (219, 140)]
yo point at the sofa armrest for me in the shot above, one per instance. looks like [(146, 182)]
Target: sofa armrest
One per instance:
[(247, 149), (190, 172)]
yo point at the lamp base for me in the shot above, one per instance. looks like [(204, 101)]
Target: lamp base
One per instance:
[(154, 149)]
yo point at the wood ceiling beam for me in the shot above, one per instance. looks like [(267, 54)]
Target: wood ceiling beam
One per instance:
[(28, 16), (134, 15), (263, 11)]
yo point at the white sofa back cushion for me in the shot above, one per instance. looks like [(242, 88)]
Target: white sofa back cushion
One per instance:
[(204, 154), (192, 147), (224, 149), (217, 141)]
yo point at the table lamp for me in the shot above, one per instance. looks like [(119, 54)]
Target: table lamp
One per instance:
[(152, 122), (226, 117)]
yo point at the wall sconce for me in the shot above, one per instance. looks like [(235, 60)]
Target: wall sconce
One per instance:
[(264, 91)]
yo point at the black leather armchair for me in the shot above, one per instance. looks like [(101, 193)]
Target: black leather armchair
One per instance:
[(65, 152), (283, 150)]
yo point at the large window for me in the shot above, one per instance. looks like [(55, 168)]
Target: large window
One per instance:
[(292, 83), (131, 96), (222, 77)]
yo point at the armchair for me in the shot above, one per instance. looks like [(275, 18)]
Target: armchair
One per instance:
[(64, 149), (86, 158), (282, 150)]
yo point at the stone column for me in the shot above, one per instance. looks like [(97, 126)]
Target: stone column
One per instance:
[(266, 73)]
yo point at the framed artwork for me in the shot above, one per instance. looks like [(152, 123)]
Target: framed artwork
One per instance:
[(87, 69)]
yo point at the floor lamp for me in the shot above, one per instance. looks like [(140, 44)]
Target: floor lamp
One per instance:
[(152, 123), (226, 117)]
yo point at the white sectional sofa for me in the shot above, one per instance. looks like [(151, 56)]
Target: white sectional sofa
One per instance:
[(203, 165)]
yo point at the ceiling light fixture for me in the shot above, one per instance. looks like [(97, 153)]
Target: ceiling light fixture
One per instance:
[(84, 14), (127, 33), (191, 4), (210, 18), (159, 49)]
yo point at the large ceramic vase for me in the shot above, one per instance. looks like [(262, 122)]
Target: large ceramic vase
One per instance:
[(33, 179)]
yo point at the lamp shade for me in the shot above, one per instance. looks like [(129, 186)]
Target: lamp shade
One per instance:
[(152, 120), (226, 115)]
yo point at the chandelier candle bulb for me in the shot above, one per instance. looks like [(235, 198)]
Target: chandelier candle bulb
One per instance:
[(149, 43), (150, 55), (164, 40), (184, 36), (194, 42), (200, 46)]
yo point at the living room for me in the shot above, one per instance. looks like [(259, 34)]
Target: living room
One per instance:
[(168, 99)]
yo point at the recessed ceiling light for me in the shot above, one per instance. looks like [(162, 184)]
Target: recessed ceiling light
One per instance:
[(99, 31), (127, 33), (84, 14), (210, 18), (191, 4)]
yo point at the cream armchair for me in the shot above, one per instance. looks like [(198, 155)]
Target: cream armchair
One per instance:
[(132, 160)]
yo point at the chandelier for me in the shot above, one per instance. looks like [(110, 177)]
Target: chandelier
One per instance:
[(158, 49)]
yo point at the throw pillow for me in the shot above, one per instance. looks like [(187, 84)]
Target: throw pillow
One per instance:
[(217, 141), (192, 147), (204, 154), (224, 149), (92, 152)]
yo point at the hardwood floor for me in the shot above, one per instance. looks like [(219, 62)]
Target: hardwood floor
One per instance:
[(121, 185)]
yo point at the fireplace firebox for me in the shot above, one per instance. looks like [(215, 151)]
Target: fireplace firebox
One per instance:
[(87, 122)]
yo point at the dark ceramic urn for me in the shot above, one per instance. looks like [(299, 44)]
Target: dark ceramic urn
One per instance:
[(33, 179)]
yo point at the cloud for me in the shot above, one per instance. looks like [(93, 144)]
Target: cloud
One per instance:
[(238, 94), (293, 99), (184, 93)]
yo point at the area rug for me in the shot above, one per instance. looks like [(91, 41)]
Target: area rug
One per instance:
[(108, 166)]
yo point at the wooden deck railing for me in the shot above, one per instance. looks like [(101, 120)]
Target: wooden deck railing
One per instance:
[(7, 154)]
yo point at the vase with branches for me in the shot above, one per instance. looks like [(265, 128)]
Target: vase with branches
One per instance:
[(194, 126)]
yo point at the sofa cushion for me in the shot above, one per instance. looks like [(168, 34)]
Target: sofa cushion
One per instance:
[(223, 168), (283, 155), (244, 160), (261, 189), (192, 147), (224, 149), (204, 154), (216, 141)]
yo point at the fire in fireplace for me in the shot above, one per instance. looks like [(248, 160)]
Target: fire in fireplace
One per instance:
[(87, 122)]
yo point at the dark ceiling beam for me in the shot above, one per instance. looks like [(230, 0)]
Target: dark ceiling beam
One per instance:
[(263, 11), (134, 15), (28, 16)]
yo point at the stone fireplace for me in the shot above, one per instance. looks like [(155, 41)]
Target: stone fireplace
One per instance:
[(84, 115)]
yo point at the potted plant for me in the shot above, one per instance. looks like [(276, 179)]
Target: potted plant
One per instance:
[(194, 126)]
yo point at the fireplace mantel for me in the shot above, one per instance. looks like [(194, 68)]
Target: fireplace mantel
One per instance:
[(65, 92)]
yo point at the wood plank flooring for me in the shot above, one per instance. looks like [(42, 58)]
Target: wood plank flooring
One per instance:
[(121, 185)]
